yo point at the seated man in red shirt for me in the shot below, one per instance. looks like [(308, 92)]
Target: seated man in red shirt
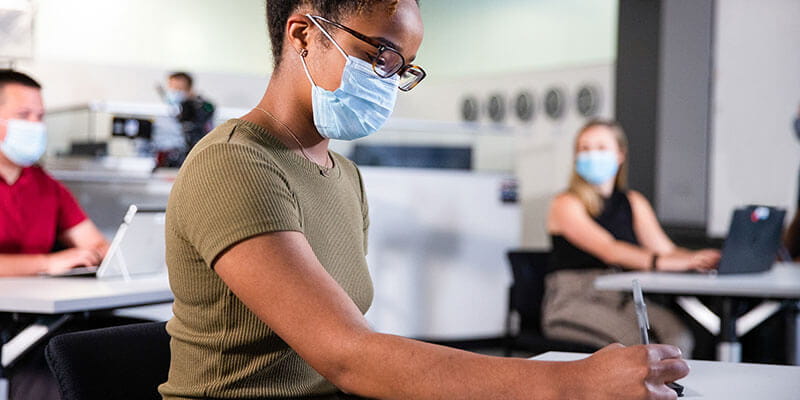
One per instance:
[(35, 210)]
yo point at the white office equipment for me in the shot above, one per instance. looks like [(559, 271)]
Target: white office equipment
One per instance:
[(138, 247)]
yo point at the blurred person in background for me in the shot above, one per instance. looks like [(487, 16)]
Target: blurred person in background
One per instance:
[(599, 227), (37, 214), (193, 114), (36, 211)]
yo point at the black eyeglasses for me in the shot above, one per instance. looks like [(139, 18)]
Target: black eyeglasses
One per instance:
[(387, 62)]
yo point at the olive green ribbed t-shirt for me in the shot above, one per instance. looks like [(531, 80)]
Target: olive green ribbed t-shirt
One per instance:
[(239, 182)]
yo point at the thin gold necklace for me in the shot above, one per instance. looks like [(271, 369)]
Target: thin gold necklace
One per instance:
[(323, 169)]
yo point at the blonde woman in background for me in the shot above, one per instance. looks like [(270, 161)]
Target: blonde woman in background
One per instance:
[(598, 227)]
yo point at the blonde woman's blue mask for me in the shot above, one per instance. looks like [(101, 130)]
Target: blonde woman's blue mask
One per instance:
[(597, 166), (359, 107)]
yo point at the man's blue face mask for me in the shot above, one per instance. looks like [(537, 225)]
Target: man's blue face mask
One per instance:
[(359, 107), (25, 142), (175, 97)]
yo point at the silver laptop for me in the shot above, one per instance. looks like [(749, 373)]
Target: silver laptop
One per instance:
[(137, 248)]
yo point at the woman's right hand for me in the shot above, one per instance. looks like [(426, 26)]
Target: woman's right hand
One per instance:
[(65, 260), (700, 260), (629, 373)]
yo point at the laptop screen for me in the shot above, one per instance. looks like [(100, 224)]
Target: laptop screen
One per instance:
[(753, 240), (138, 246)]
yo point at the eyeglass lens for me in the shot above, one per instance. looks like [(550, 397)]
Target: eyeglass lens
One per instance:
[(387, 63), (410, 78)]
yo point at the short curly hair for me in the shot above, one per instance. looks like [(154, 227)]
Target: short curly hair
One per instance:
[(278, 12)]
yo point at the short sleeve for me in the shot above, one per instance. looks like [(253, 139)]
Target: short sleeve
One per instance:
[(364, 209), (227, 193), (70, 212)]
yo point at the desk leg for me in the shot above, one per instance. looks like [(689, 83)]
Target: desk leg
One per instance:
[(729, 349)]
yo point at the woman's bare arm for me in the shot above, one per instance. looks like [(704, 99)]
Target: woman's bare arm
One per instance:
[(53, 263), (279, 278), (568, 217), (652, 236)]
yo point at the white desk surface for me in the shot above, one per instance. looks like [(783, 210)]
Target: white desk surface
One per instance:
[(51, 295), (782, 281), (725, 381)]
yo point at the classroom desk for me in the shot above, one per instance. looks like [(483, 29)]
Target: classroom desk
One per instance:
[(58, 298), (781, 282), (715, 380), (50, 295)]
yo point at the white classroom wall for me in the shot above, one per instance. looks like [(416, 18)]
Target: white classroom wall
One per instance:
[(117, 50), (88, 50), (755, 154), (539, 151)]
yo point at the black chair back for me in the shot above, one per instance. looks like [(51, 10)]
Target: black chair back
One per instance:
[(123, 362), (525, 297), (529, 269)]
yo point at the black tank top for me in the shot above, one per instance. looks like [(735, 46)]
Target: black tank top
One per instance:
[(616, 218)]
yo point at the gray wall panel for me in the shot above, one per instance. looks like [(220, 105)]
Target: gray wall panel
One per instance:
[(683, 112)]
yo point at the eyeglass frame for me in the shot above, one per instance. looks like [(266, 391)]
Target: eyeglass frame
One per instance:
[(381, 48)]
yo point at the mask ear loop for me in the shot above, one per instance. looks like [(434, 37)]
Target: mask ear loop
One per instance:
[(327, 35), (303, 54)]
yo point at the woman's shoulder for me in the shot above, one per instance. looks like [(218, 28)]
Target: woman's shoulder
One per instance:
[(235, 134), (234, 143), (563, 208), (566, 199)]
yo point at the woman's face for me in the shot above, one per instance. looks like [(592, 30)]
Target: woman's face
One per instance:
[(599, 138), (401, 30)]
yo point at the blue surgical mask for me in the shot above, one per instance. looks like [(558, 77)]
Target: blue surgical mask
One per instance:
[(597, 166), (359, 107), (175, 97), (25, 142)]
